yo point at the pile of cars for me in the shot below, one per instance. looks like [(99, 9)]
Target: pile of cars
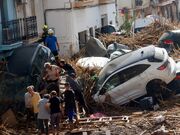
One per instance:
[(145, 72)]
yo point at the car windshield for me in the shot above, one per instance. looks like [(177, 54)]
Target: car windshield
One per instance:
[(20, 61), (124, 75)]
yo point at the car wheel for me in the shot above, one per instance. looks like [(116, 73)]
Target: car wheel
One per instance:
[(157, 89)]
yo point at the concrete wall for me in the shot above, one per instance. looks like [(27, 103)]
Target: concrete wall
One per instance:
[(9, 9), (120, 5), (39, 12), (179, 10), (68, 23), (51, 4), (0, 28)]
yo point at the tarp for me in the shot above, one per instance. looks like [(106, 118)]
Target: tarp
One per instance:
[(92, 62)]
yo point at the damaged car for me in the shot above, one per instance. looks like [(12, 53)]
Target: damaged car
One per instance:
[(145, 71), (174, 85), (24, 67)]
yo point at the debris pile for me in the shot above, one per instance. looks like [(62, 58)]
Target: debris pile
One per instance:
[(146, 36), (165, 121), (5, 131)]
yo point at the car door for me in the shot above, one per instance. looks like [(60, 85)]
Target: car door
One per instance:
[(125, 85)]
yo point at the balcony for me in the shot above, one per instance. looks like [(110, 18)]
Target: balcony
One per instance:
[(84, 3), (106, 1), (18, 30)]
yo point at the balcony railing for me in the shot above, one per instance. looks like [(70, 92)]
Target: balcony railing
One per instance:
[(84, 3), (19, 29), (106, 1)]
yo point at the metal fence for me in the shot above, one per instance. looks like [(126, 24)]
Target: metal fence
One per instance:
[(19, 30)]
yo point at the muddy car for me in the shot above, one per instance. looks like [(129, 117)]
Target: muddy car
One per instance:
[(174, 85), (135, 74), (170, 40), (24, 67)]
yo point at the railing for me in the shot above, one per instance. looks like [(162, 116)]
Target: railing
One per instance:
[(19, 29), (86, 3), (106, 1), (83, 3)]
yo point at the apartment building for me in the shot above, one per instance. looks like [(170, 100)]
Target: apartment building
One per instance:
[(75, 21), (17, 23), (141, 8)]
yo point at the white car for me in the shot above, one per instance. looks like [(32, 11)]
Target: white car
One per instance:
[(134, 75)]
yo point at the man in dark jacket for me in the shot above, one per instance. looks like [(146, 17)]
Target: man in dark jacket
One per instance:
[(67, 67), (55, 111), (70, 105), (77, 90)]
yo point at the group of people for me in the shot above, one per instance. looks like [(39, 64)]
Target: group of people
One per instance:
[(53, 105)]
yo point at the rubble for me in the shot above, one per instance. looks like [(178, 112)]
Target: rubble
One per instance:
[(132, 120), (147, 36), (9, 118)]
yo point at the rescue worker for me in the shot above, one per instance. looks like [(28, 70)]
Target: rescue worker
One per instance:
[(44, 34), (51, 43)]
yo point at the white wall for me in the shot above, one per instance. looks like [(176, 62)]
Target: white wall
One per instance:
[(51, 4), (39, 11), (121, 4), (67, 24), (124, 3), (109, 9)]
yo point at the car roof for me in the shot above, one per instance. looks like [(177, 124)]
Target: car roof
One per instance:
[(20, 61), (125, 60)]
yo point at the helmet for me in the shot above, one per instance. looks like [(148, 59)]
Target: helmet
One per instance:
[(45, 27), (50, 32)]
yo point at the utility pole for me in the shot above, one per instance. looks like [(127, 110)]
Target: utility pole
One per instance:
[(134, 16)]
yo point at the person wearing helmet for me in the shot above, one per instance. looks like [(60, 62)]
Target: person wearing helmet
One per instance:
[(51, 42), (44, 34)]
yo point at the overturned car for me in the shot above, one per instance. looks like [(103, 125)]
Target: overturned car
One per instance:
[(145, 71)]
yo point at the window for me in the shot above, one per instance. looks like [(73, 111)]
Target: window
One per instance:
[(40, 59), (123, 76), (82, 38), (104, 20), (91, 32), (138, 2)]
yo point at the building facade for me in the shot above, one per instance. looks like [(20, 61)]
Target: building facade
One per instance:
[(141, 8), (17, 22), (75, 21)]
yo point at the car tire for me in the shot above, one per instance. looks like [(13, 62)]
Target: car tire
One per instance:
[(157, 89)]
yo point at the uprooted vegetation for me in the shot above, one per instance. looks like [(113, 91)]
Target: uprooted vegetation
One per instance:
[(140, 122), (148, 36)]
